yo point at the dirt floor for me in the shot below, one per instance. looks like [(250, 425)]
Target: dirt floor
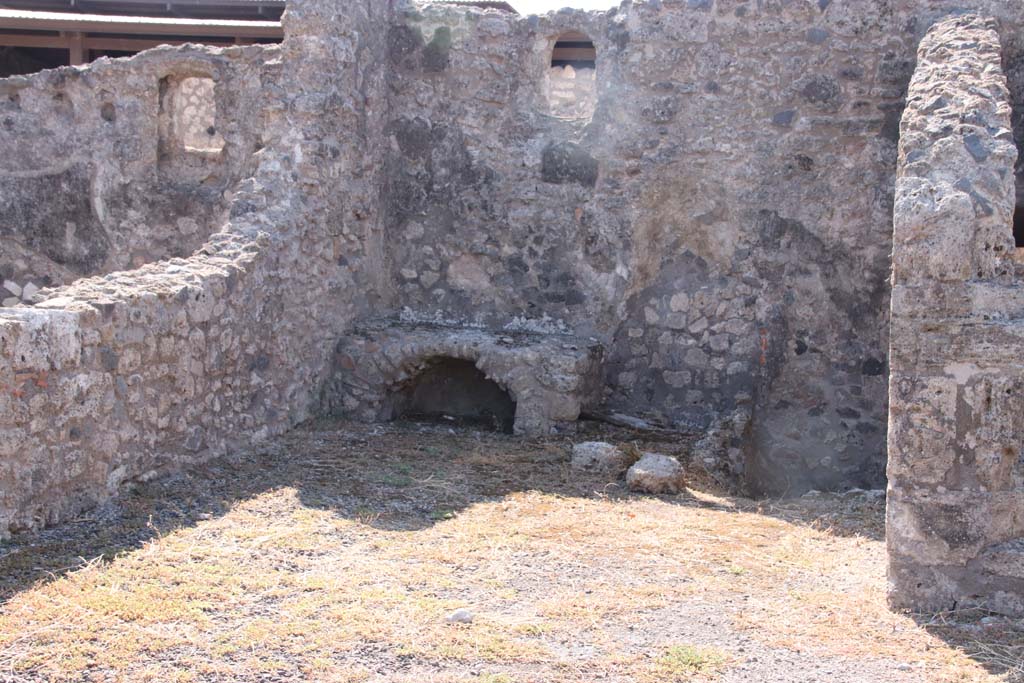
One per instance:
[(338, 552)]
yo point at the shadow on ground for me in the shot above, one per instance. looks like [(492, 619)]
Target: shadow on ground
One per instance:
[(406, 477)]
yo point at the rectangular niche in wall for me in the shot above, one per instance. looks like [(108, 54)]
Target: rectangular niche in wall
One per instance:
[(190, 145)]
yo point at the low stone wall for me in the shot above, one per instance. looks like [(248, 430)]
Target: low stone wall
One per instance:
[(123, 376), (955, 516), (550, 377), (126, 376)]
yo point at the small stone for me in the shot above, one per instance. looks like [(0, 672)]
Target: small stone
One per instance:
[(428, 278), (676, 321), (697, 359), (12, 287), (656, 473), (677, 378), (817, 36), (679, 302), (976, 147), (11, 301), (460, 616), (28, 291), (784, 118), (699, 325), (600, 457)]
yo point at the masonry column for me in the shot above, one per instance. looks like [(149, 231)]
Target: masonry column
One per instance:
[(955, 516)]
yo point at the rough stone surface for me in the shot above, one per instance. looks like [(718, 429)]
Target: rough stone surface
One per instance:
[(955, 515), (716, 233), (724, 449), (598, 456), (550, 377), (656, 473), (126, 375), (94, 178)]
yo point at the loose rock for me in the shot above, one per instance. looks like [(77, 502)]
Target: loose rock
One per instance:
[(599, 456), (656, 473), (460, 616)]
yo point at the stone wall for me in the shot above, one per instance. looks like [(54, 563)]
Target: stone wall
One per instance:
[(124, 376), (91, 180), (720, 225), (722, 222), (956, 390)]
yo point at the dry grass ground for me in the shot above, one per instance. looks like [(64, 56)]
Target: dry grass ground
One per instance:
[(336, 552)]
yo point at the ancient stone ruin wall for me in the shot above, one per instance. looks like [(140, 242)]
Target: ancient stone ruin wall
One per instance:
[(722, 223), (720, 226), (96, 173), (124, 376), (956, 391)]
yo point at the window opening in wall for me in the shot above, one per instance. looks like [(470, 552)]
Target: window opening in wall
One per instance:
[(189, 116), (196, 115), (572, 78), (454, 391)]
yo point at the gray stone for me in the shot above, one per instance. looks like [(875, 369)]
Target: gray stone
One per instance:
[(566, 162), (784, 118), (460, 616), (598, 456), (656, 473)]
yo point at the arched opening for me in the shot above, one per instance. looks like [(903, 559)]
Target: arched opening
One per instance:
[(454, 391), (572, 79)]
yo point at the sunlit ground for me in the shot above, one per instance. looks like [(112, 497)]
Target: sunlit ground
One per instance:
[(337, 552)]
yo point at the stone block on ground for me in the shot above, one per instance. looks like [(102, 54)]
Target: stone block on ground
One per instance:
[(656, 473)]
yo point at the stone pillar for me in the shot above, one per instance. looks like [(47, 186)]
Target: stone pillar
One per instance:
[(955, 516)]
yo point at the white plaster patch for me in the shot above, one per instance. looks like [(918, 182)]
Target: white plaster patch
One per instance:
[(961, 372)]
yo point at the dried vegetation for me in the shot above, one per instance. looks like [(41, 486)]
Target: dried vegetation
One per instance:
[(335, 553)]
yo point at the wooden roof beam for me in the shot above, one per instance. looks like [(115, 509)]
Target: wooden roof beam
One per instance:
[(102, 23)]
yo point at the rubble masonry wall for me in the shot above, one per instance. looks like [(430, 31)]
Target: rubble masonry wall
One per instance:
[(955, 514)]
